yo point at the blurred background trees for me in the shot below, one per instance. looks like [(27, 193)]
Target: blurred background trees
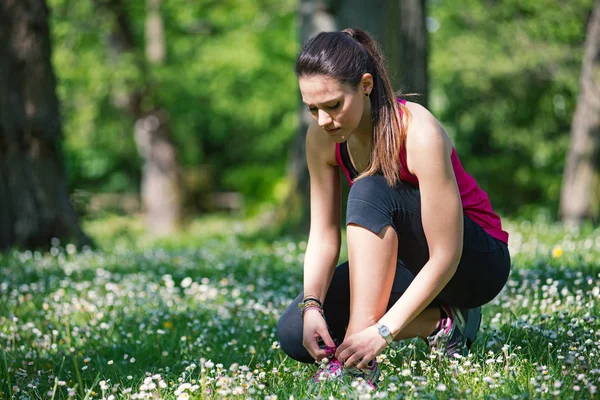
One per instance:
[(505, 85), (161, 186), (581, 181), (203, 96), (34, 200)]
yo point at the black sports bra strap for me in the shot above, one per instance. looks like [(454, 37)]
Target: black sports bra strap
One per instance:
[(346, 161)]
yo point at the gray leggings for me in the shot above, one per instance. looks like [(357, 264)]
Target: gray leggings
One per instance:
[(481, 274)]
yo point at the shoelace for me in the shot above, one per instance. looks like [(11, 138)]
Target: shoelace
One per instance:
[(369, 373), (443, 334), (331, 370)]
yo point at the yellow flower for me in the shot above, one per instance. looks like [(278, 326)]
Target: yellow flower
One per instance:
[(557, 252), (168, 325)]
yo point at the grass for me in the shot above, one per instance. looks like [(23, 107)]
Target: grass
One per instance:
[(194, 316)]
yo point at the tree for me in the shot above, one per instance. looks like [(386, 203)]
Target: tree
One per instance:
[(505, 89), (161, 186), (399, 27), (315, 16), (34, 199), (580, 189)]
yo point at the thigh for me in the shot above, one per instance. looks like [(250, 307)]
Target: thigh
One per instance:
[(482, 271), (485, 261), (373, 205)]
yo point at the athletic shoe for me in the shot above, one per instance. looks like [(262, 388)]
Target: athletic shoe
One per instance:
[(457, 330), (370, 373), (331, 370)]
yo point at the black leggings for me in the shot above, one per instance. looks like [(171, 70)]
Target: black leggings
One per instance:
[(481, 274)]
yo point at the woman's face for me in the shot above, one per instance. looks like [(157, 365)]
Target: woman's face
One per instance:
[(338, 109)]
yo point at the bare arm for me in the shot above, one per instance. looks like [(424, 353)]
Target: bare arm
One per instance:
[(428, 157), (324, 239)]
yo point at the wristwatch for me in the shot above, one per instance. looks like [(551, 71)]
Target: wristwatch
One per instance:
[(385, 333)]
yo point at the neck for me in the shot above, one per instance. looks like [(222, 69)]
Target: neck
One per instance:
[(363, 135)]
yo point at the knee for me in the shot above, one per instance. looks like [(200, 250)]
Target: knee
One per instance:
[(369, 187), (371, 204)]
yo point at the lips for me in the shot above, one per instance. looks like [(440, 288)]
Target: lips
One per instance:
[(332, 130)]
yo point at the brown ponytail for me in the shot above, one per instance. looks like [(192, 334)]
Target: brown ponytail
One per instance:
[(347, 55)]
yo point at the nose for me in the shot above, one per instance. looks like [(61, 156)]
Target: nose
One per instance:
[(323, 119)]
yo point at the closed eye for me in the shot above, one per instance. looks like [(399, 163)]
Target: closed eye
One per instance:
[(332, 107)]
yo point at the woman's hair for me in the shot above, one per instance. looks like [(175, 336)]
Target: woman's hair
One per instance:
[(346, 56)]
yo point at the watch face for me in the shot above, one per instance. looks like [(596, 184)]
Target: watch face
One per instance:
[(385, 332)]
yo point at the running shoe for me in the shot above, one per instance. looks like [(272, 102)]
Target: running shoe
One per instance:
[(457, 330), (370, 374), (331, 370)]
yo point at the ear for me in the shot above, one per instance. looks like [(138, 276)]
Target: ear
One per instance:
[(366, 83)]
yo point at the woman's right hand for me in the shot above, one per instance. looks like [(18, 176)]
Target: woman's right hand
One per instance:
[(315, 327)]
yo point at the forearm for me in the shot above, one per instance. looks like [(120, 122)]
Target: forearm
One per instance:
[(321, 255), (428, 283)]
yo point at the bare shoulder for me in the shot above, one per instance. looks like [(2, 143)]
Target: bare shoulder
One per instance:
[(319, 146), (425, 135), (424, 129)]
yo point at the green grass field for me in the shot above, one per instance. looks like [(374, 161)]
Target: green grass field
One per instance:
[(195, 317)]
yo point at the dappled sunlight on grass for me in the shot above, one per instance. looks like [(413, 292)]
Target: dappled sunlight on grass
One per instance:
[(194, 316)]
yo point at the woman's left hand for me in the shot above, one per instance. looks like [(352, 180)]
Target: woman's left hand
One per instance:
[(361, 347)]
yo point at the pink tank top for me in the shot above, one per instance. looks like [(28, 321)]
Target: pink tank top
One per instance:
[(475, 202)]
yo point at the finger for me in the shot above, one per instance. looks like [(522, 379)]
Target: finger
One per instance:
[(318, 352), (341, 348), (329, 350), (345, 354), (364, 362), (310, 348), (324, 333), (321, 355), (352, 360)]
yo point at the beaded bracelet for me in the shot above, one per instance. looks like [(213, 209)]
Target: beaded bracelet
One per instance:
[(308, 304), (313, 299), (312, 308)]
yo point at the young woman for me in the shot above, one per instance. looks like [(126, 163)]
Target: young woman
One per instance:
[(425, 248)]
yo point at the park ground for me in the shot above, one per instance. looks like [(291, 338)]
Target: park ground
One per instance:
[(194, 317)]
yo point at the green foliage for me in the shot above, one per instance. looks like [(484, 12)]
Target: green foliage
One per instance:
[(196, 316), (505, 80), (227, 84)]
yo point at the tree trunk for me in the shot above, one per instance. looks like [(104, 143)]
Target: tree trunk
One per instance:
[(161, 180), (34, 200), (581, 180), (414, 52), (379, 18), (399, 27), (161, 186), (155, 33), (315, 16)]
